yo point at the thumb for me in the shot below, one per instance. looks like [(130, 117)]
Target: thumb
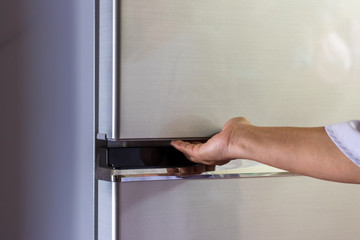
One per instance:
[(190, 150), (182, 146), (178, 144)]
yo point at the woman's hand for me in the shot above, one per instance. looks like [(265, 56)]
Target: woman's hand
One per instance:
[(219, 149), (307, 151)]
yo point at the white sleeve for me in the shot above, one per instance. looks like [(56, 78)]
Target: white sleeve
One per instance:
[(346, 136)]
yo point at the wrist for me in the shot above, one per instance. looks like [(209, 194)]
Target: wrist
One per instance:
[(243, 143)]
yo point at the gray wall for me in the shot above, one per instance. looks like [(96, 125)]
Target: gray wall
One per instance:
[(46, 176)]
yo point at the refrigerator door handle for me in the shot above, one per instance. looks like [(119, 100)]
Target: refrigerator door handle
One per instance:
[(116, 70)]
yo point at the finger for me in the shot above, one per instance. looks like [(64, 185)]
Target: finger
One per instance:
[(199, 169), (186, 170), (190, 150), (197, 153), (196, 142), (172, 170), (178, 144), (210, 168)]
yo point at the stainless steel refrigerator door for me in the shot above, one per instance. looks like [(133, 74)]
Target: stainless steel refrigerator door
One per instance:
[(272, 208), (186, 67)]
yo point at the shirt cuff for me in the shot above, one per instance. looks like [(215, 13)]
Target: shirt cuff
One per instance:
[(346, 136)]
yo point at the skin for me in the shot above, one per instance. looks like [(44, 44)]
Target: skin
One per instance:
[(306, 151)]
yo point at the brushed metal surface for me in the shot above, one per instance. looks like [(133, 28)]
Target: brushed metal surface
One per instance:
[(164, 174), (276, 208), (115, 211), (188, 66), (116, 70), (104, 211), (105, 102)]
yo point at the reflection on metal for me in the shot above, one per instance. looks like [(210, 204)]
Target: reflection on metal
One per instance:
[(145, 157), (161, 174), (147, 142)]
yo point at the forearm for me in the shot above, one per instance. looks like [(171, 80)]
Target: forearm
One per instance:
[(307, 151)]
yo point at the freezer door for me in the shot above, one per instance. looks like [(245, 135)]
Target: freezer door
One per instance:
[(186, 67)]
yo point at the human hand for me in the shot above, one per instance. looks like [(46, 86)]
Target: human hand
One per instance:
[(221, 148), (306, 151)]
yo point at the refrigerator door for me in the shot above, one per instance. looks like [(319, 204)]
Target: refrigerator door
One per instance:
[(186, 67), (272, 208)]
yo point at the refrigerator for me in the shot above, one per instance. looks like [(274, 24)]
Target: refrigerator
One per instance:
[(46, 120), (170, 69)]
